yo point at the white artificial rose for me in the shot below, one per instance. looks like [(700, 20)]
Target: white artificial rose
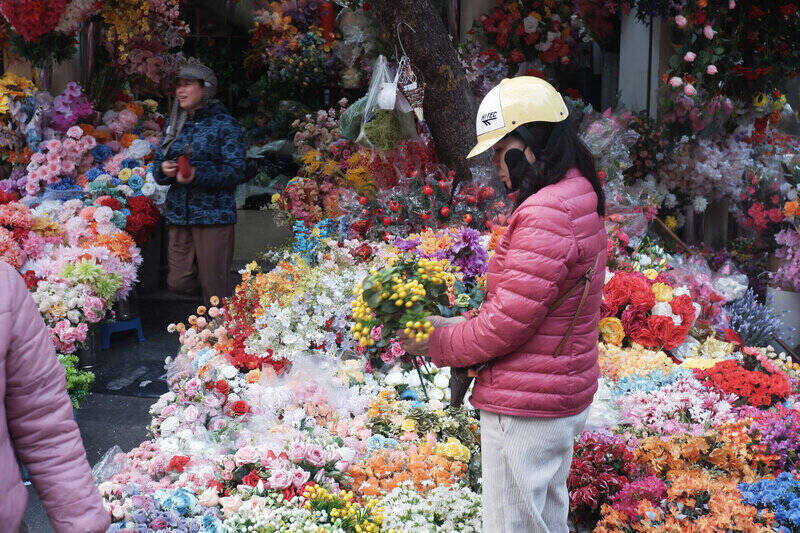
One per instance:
[(169, 425), (662, 309), (436, 394), (209, 498), (229, 372), (394, 378), (347, 454), (413, 380), (441, 380)]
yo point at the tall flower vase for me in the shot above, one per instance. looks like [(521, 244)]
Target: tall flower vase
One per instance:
[(88, 353), (44, 77)]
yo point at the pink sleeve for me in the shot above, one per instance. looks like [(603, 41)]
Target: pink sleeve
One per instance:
[(535, 266), (39, 411)]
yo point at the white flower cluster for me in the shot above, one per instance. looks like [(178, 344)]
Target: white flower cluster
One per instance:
[(442, 509)]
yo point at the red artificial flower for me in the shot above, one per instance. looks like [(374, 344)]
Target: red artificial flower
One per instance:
[(756, 12), (535, 73), (33, 18), (616, 293), (216, 485), (109, 201), (222, 387), (641, 293), (31, 280), (240, 408), (633, 319), (516, 56), (7, 197), (732, 336), (700, 17), (178, 462), (682, 306), (251, 479), (645, 337)]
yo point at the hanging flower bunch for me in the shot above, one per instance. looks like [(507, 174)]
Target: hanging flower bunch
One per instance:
[(142, 37), (33, 18), (75, 13), (546, 33), (721, 49), (647, 311)]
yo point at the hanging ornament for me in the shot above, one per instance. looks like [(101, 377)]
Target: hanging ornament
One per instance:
[(412, 89)]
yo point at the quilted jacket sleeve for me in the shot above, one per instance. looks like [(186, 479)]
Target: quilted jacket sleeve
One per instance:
[(159, 158), (536, 264), (231, 169), (39, 412)]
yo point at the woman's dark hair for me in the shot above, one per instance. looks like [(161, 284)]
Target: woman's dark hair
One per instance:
[(557, 148)]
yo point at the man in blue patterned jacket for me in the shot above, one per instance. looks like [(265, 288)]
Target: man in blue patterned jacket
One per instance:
[(202, 158)]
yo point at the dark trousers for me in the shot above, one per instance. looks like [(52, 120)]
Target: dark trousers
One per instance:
[(200, 257)]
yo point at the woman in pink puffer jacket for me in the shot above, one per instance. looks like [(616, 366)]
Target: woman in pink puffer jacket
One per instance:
[(533, 344), (36, 423)]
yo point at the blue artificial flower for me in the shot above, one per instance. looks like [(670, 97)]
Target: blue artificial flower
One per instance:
[(126, 212), (119, 220), (135, 182), (210, 524), (93, 173), (781, 496), (179, 500), (116, 181), (129, 163), (409, 394), (101, 152), (203, 356)]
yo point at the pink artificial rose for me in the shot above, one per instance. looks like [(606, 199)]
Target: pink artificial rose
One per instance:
[(246, 455), (168, 410), (192, 386), (297, 451), (709, 32), (228, 465), (732, 4), (711, 70), (191, 413), (689, 57), (342, 466), (681, 21), (279, 480), (300, 476), (689, 90), (315, 455), (675, 81)]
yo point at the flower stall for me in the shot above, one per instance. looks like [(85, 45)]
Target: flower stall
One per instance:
[(291, 405)]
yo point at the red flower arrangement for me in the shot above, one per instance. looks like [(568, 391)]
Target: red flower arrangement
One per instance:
[(143, 219), (751, 380), (629, 302), (8, 197), (32, 18), (601, 466)]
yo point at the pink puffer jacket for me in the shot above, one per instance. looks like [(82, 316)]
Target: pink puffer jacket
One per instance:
[(36, 422), (552, 239)]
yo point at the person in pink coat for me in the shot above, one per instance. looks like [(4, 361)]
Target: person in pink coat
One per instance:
[(36, 423), (533, 344)]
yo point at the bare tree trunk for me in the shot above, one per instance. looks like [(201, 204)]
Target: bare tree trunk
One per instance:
[(449, 104)]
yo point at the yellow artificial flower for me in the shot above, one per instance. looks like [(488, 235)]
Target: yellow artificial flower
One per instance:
[(663, 292), (125, 174), (409, 424), (611, 329), (671, 222), (253, 376), (276, 198), (699, 363), (650, 274), (760, 100)]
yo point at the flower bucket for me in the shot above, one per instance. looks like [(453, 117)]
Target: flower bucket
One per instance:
[(786, 304), (88, 352), (126, 309)]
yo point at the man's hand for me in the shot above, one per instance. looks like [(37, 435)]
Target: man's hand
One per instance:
[(186, 180), (169, 168), (414, 347)]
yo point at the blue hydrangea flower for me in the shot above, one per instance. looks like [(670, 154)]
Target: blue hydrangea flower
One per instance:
[(135, 182)]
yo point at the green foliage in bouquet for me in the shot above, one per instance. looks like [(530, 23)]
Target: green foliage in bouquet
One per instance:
[(88, 272), (78, 381), (400, 297), (53, 48)]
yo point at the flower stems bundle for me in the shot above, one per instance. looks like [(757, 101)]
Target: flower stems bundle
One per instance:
[(400, 297)]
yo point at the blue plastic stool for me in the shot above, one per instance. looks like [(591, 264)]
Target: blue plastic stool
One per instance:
[(116, 326)]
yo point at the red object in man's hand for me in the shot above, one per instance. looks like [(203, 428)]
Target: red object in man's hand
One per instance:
[(184, 166)]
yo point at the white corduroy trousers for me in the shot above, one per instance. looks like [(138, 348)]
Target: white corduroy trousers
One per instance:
[(525, 465)]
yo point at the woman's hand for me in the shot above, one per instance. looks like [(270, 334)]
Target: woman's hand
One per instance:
[(186, 180), (169, 168), (414, 347)]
